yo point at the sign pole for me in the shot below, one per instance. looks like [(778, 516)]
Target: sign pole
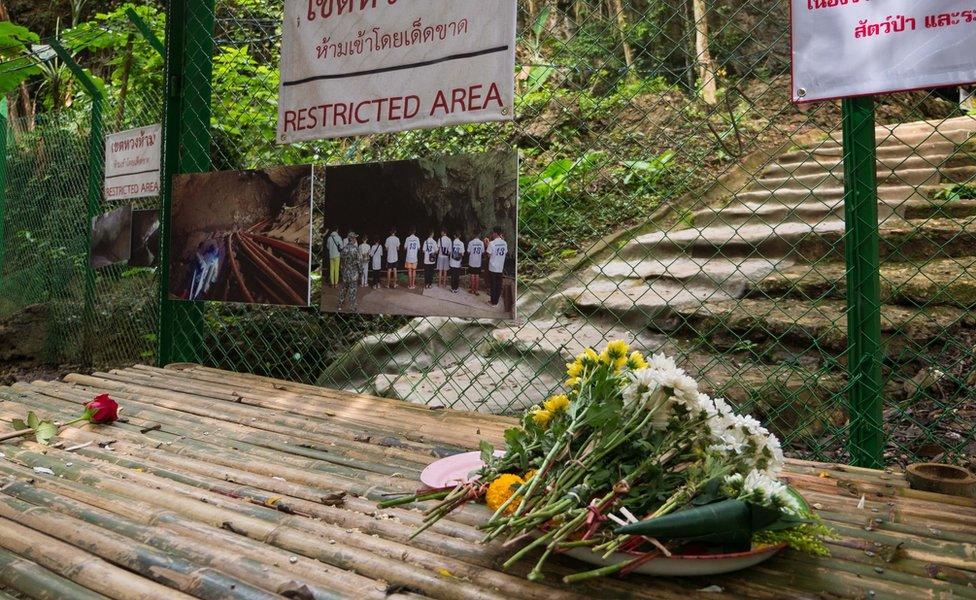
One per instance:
[(861, 246)]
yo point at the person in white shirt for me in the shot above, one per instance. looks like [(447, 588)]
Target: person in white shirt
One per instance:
[(444, 258), (497, 252), (376, 261), (392, 258), (334, 243), (411, 247), (476, 248), (457, 256), (430, 251), (364, 261)]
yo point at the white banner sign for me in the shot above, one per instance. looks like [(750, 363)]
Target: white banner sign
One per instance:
[(132, 163), (352, 67), (844, 48)]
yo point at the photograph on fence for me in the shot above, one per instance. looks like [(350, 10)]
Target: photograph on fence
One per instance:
[(111, 237), (242, 236), (435, 236), (145, 238)]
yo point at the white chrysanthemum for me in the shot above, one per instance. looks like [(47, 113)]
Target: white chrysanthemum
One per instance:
[(645, 388), (776, 463), (722, 406), (660, 362), (642, 382)]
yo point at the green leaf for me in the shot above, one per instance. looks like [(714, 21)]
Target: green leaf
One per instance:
[(32, 420), (45, 431), (487, 452), (19, 425)]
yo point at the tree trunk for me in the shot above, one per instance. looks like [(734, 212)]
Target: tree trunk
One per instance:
[(706, 68), (617, 7)]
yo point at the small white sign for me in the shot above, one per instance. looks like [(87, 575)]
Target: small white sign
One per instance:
[(352, 67), (845, 48), (132, 163)]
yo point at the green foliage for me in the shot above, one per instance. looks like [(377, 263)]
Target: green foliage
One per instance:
[(957, 191), (18, 63)]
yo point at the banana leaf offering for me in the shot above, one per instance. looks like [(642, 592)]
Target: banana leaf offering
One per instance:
[(632, 462)]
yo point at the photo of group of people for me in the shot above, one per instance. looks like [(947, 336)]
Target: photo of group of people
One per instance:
[(449, 248), (426, 237), (125, 235)]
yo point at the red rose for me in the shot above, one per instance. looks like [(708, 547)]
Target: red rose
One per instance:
[(103, 409)]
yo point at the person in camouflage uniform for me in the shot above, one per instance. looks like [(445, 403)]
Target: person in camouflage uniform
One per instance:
[(349, 272)]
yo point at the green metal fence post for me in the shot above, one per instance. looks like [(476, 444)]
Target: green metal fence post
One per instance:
[(186, 149), (96, 163), (864, 351), (146, 32), (3, 178)]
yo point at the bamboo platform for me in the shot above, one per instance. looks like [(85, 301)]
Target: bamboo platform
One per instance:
[(221, 485)]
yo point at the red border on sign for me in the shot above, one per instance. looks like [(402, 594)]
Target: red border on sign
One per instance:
[(831, 98)]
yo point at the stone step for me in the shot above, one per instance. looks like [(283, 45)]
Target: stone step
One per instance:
[(553, 343), (823, 165), (814, 211), (822, 324), (950, 282), (906, 238), (938, 209), (515, 385), (920, 176), (828, 191), (727, 273), (728, 242), (638, 304), (894, 149), (916, 130)]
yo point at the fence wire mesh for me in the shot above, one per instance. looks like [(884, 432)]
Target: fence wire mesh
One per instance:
[(671, 196)]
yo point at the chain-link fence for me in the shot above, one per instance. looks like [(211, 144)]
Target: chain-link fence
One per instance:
[(671, 196)]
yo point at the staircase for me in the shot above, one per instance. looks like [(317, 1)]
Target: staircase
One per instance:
[(751, 296)]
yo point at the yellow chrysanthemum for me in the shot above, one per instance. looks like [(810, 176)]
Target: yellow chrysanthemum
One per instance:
[(615, 362), (501, 489), (529, 475), (541, 417), (572, 381), (589, 357), (636, 361), (575, 368), (617, 349), (556, 403)]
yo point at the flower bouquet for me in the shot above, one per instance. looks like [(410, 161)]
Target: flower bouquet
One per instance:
[(633, 464)]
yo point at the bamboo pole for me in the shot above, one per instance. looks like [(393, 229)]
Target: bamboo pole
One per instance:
[(79, 566), (381, 559), (237, 546), (228, 411), (345, 398), (295, 468), (339, 458), (48, 511), (167, 568), (34, 581), (349, 453), (363, 505), (430, 423)]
